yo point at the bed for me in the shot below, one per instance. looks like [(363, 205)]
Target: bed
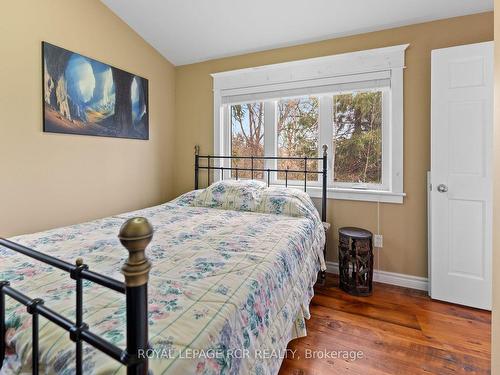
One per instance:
[(228, 289)]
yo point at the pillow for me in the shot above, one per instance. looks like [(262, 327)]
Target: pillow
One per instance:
[(186, 199), (280, 200), (240, 195)]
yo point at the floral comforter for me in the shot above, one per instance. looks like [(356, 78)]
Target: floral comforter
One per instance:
[(228, 290)]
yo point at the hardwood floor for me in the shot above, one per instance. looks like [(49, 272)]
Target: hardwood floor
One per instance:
[(398, 331)]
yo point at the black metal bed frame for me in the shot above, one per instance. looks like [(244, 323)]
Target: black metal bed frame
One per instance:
[(135, 235)]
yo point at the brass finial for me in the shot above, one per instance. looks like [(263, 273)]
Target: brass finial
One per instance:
[(135, 235), (325, 150), (79, 261), (197, 149)]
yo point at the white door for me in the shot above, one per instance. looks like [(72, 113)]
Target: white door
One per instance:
[(461, 184)]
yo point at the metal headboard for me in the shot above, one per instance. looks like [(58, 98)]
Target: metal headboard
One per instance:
[(265, 171)]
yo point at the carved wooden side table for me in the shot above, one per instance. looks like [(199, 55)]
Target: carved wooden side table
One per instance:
[(355, 261)]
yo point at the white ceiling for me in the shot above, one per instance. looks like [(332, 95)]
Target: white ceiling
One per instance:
[(188, 31)]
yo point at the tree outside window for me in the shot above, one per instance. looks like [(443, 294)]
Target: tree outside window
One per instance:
[(357, 137), (298, 133), (247, 128)]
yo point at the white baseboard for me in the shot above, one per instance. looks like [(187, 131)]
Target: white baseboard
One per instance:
[(407, 281)]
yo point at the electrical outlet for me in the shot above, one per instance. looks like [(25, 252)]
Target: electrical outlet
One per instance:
[(378, 241)]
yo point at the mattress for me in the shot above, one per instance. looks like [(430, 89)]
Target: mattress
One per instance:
[(228, 290)]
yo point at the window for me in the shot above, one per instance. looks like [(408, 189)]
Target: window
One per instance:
[(357, 137), (297, 134), (351, 102), (247, 137)]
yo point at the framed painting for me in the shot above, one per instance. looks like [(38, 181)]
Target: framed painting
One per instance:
[(87, 97)]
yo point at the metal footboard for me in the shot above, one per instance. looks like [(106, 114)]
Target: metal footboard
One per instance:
[(135, 235)]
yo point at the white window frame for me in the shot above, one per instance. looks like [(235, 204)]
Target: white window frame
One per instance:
[(322, 77)]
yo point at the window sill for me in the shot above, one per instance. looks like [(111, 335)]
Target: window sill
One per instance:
[(358, 195)]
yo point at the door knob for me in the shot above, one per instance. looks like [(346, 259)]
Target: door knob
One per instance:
[(442, 188)]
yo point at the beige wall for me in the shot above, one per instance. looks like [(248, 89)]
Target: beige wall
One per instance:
[(496, 205), (49, 180), (404, 226)]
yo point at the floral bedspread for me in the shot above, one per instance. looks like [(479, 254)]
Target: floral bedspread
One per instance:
[(228, 290)]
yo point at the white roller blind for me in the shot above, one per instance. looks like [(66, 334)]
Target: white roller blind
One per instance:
[(363, 81)]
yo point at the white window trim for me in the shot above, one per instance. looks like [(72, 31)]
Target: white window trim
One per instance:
[(323, 72)]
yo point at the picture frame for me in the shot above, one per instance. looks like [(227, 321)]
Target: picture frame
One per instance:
[(84, 96)]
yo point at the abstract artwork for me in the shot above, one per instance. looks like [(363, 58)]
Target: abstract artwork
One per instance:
[(84, 96)]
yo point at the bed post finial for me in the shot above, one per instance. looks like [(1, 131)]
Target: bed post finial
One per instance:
[(197, 149), (135, 235), (325, 150)]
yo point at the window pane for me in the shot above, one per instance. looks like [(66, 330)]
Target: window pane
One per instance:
[(247, 137), (357, 137), (298, 135)]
